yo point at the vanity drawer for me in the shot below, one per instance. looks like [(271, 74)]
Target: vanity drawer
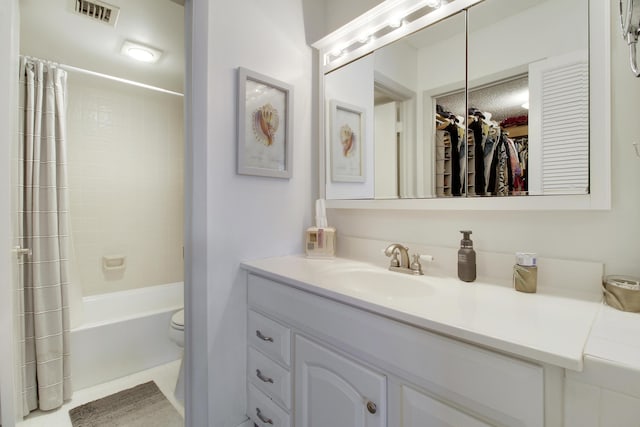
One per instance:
[(263, 412), (269, 377), (270, 337)]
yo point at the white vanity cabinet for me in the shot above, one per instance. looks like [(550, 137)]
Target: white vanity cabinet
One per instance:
[(353, 367)]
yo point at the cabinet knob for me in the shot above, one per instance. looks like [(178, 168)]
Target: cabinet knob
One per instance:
[(371, 407), (262, 417)]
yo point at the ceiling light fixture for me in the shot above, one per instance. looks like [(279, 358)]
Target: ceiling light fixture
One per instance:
[(140, 52), (384, 23)]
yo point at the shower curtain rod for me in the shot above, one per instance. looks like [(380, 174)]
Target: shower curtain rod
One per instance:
[(107, 76)]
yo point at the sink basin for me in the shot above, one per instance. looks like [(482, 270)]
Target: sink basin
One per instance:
[(377, 283)]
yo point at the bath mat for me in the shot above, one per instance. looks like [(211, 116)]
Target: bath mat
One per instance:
[(141, 406)]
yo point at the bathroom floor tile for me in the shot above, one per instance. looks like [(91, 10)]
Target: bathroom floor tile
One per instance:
[(165, 377)]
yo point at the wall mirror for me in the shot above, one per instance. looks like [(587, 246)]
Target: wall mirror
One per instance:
[(474, 104)]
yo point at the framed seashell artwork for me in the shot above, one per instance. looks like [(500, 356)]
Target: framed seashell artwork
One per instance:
[(347, 143), (264, 125)]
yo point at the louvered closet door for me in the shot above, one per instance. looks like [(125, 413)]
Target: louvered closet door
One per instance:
[(559, 125)]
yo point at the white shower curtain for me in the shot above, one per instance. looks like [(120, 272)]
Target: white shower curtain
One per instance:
[(46, 378)]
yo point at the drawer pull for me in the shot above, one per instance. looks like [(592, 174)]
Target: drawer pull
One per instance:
[(263, 337), (263, 378), (371, 407), (262, 417)]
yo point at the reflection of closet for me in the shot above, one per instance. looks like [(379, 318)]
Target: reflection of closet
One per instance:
[(443, 163), (470, 181), (448, 166), (502, 153), (473, 168)]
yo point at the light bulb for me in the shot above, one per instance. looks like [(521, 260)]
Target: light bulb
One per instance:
[(140, 54), (364, 38), (396, 22), (337, 52)]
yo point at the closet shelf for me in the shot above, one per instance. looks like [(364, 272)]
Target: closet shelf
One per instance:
[(517, 131)]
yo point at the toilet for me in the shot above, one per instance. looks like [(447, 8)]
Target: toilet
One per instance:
[(176, 334)]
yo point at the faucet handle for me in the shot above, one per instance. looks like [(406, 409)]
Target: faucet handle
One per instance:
[(415, 266), (428, 258)]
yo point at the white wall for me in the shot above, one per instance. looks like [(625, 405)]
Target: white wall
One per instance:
[(504, 44), (9, 36), (339, 12), (126, 155), (611, 237), (509, 43), (246, 217), (398, 61)]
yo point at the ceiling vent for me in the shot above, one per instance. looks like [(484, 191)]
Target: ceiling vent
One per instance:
[(98, 11)]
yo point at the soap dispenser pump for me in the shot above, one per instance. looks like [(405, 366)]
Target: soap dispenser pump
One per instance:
[(466, 258)]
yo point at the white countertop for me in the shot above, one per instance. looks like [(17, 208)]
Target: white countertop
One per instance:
[(615, 338), (548, 328)]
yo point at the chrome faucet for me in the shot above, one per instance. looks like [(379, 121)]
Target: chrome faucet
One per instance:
[(403, 265), (392, 251)]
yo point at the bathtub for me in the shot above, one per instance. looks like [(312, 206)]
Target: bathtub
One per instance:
[(123, 333)]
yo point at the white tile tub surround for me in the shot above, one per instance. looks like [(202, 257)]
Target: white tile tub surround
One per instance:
[(126, 155), (124, 332)]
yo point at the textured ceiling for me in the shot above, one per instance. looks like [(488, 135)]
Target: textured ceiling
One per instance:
[(50, 30), (502, 100)]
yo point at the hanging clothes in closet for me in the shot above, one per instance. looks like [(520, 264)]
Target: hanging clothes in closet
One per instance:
[(489, 146), (501, 175), (516, 170), (455, 154), (478, 158), (522, 145)]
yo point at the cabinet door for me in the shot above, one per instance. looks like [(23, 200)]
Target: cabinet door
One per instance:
[(419, 410), (333, 391)]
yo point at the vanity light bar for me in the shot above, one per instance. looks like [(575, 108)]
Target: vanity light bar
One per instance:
[(397, 20), (374, 28)]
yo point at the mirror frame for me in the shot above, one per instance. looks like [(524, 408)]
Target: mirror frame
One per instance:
[(599, 197)]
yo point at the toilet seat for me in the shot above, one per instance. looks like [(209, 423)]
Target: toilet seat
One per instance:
[(177, 320)]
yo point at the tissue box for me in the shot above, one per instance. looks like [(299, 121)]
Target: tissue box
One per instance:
[(320, 242)]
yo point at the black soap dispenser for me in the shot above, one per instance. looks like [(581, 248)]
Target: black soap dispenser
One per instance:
[(466, 258)]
